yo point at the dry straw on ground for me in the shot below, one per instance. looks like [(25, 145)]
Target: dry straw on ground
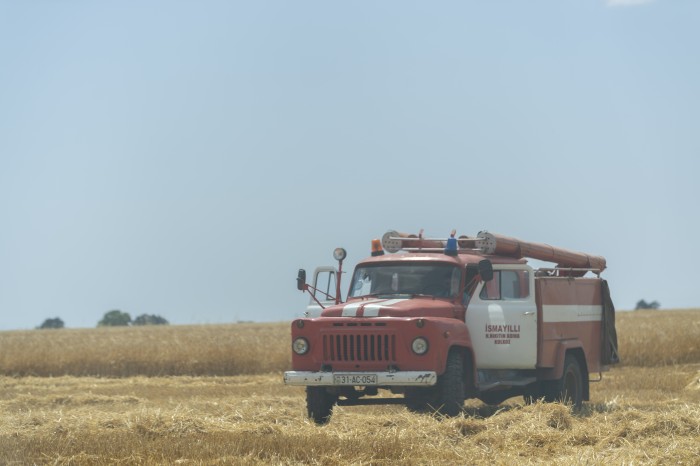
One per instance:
[(647, 412)]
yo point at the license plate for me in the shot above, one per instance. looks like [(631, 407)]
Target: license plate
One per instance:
[(354, 379)]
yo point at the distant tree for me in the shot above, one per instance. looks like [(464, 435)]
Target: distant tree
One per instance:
[(115, 318), (150, 319), (56, 322), (641, 304)]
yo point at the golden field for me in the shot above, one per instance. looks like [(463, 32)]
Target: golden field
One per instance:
[(214, 395), (231, 349)]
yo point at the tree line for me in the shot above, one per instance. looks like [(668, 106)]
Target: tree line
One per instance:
[(114, 318), (641, 304)]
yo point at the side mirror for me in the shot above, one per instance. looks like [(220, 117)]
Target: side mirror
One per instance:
[(486, 270), (301, 280)]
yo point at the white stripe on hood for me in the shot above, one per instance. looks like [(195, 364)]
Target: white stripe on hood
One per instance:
[(371, 308)]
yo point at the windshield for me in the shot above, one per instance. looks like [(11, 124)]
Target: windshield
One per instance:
[(439, 280)]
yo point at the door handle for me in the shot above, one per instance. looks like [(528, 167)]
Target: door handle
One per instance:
[(529, 313)]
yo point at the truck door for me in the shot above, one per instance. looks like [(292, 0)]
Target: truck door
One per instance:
[(502, 320), (325, 283)]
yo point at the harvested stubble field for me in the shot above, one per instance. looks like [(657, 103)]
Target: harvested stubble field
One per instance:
[(214, 395)]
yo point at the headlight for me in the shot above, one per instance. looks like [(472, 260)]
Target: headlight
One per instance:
[(420, 345), (300, 346)]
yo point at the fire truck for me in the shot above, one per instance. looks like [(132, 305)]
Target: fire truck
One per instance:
[(436, 321)]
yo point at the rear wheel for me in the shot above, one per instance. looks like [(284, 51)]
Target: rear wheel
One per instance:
[(319, 404), (569, 388)]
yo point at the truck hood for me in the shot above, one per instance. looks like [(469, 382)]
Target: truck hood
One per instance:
[(398, 307)]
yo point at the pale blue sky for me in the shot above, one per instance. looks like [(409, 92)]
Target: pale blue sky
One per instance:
[(186, 158)]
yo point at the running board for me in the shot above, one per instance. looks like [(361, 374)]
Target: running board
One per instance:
[(507, 383)]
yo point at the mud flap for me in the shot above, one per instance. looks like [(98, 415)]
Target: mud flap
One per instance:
[(609, 353)]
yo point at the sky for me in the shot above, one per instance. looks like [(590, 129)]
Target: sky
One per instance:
[(186, 158)]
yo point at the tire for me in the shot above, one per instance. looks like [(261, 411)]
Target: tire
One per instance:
[(569, 388), (451, 386), (319, 404)]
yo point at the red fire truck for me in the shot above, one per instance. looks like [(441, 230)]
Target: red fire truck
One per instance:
[(438, 321)]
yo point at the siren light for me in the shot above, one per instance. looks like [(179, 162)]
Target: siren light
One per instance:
[(451, 245), (377, 248)]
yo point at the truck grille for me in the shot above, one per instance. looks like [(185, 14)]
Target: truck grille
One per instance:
[(368, 347)]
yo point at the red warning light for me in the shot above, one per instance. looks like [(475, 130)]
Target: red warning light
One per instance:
[(377, 248)]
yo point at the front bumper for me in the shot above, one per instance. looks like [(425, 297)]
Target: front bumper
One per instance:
[(400, 378)]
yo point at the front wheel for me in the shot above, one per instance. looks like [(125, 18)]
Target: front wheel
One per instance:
[(451, 386), (319, 404)]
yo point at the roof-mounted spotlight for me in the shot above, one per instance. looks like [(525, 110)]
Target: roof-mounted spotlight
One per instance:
[(339, 254)]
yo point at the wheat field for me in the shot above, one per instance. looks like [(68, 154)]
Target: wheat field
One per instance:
[(214, 395)]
